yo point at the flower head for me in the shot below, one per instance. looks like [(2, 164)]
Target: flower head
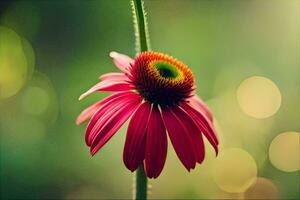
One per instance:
[(161, 79), (158, 92)]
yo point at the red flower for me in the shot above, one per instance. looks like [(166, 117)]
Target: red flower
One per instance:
[(158, 91)]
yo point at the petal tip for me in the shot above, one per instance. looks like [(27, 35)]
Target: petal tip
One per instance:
[(81, 97), (93, 151), (113, 54), (217, 152), (152, 175), (84, 95), (128, 166), (78, 121)]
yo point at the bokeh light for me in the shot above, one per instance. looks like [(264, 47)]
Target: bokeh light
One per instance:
[(263, 188), (259, 97), (35, 100), (30, 57), (235, 129), (234, 170), (13, 65), (39, 98), (284, 151)]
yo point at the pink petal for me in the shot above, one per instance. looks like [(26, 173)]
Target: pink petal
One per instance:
[(108, 85), (204, 124), (199, 104), (134, 148), (111, 101), (121, 61), (156, 144), (193, 130), (111, 124), (88, 112), (181, 140), (199, 147), (105, 115), (113, 76)]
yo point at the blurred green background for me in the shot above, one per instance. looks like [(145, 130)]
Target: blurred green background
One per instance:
[(244, 54)]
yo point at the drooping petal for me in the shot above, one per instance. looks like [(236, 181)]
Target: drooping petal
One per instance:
[(193, 130), (88, 112), (108, 104), (156, 144), (108, 86), (204, 124), (113, 76), (198, 103), (107, 113), (134, 148), (199, 147), (181, 140), (111, 124), (121, 61)]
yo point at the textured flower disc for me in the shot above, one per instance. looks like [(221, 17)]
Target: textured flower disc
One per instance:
[(161, 79)]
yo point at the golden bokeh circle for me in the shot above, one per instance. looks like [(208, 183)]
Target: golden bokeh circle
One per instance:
[(262, 189), (258, 97), (284, 151), (13, 63), (39, 98), (234, 170)]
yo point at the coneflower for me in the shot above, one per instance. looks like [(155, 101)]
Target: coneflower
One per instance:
[(158, 91)]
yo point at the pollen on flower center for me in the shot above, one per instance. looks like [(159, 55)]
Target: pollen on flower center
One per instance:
[(161, 79)]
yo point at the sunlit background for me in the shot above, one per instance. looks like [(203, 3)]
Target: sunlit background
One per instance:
[(245, 55)]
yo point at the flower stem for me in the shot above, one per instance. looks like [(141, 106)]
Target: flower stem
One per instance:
[(142, 44), (140, 26), (141, 183)]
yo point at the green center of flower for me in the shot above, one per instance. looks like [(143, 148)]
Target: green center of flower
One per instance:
[(167, 70)]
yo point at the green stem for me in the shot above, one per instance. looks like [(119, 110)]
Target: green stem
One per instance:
[(142, 44), (141, 29), (141, 183)]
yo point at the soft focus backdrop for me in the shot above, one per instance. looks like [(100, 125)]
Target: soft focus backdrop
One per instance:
[(244, 54)]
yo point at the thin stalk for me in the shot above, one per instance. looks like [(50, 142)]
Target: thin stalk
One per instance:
[(142, 44), (141, 183), (140, 25)]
